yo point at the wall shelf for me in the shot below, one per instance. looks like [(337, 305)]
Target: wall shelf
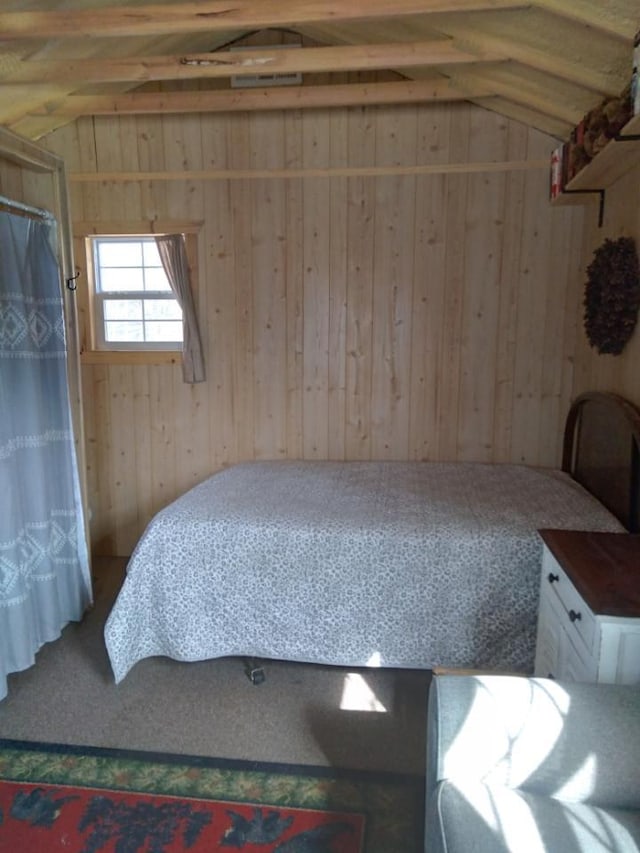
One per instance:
[(617, 158)]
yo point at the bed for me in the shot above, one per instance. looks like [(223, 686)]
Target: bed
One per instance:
[(393, 564)]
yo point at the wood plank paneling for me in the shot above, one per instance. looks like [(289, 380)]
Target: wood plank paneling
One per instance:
[(360, 250), (167, 427), (396, 142), (316, 148), (534, 268), (142, 444), (416, 316), (455, 264), (618, 373), (294, 283), (243, 345), (429, 253), (338, 253), (102, 450), (508, 288), (480, 303), (124, 460), (217, 302)]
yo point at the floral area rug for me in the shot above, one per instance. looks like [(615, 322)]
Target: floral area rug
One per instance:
[(88, 800)]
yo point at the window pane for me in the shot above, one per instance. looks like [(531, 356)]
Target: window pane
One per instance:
[(158, 331), (122, 309), (136, 305), (120, 253), (151, 254), (155, 279), (162, 309), (123, 331), (113, 280)]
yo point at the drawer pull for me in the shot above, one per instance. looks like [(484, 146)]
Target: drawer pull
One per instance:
[(552, 578), (575, 616)]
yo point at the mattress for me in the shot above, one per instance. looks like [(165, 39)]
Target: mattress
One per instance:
[(394, 564)]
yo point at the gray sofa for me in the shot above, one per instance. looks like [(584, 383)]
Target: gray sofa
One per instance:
[(532, 765)]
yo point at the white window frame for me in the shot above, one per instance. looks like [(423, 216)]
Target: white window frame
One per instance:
[(100, 297)]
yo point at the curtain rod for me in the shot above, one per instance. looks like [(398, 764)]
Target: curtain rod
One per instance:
[(24, 209)]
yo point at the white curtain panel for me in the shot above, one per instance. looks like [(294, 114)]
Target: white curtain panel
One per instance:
[(44, 567), (173, 255)]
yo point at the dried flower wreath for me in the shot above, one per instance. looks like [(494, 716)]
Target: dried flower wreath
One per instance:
[(612, 295)]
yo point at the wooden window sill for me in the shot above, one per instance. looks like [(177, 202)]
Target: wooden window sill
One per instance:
[(131, 357)]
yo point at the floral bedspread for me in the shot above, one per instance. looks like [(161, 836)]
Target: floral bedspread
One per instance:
[(395, 564)]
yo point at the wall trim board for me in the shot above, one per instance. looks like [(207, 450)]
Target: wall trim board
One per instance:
[(135, 357), (142, 227), (338, 172)]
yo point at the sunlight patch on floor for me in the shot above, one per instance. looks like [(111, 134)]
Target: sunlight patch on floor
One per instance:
[(358, 696)]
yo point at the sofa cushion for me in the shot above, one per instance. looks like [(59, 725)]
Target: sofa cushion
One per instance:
[(472, 817), (575, 742)]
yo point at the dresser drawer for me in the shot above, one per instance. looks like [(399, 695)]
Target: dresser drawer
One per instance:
[(574, 664), (579, 621), (598, 641), (560, 652), (549, 637)]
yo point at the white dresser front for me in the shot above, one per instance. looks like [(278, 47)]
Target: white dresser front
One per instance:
[(575, 642)]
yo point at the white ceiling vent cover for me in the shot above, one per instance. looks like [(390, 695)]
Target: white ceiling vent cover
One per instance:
[(249, 81)]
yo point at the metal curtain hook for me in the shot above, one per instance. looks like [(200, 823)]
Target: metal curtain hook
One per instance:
[(71, 281)]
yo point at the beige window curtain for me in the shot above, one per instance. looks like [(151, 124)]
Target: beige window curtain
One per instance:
[(173, 255)]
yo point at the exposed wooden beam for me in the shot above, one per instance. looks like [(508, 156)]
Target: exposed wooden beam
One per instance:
[(619, 19), (564, 67), (37, 127), (216, 15), (295, 174), (18, 99), (220, 64), (528, 94), (546, 124), (277, 98), (23, 152)]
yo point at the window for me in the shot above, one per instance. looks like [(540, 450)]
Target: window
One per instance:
[(135, 307)]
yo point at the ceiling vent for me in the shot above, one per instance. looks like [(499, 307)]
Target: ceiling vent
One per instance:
[(252, 81)]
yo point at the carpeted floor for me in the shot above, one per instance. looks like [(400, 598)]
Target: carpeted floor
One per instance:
[(302, 714)]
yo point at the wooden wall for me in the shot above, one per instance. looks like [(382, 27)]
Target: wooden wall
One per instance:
[(25, 185), (593, 371), (403, 316)]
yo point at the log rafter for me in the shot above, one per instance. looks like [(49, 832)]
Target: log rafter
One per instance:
[(221, 64), (562, 67), (285, 97), (621, 25), (447, 50), (220, 15)]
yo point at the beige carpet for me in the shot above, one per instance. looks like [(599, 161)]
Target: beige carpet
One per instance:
[(302, 714)]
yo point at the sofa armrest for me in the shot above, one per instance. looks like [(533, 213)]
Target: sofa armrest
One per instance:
[(575, 742)]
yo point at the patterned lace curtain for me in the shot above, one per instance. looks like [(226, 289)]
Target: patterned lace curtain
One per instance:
[(44, 567), (173, 255)]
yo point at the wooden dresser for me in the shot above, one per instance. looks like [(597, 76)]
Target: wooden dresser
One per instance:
[(589, 616)]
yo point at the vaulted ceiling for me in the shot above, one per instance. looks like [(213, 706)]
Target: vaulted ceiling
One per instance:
[(545, 62)]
